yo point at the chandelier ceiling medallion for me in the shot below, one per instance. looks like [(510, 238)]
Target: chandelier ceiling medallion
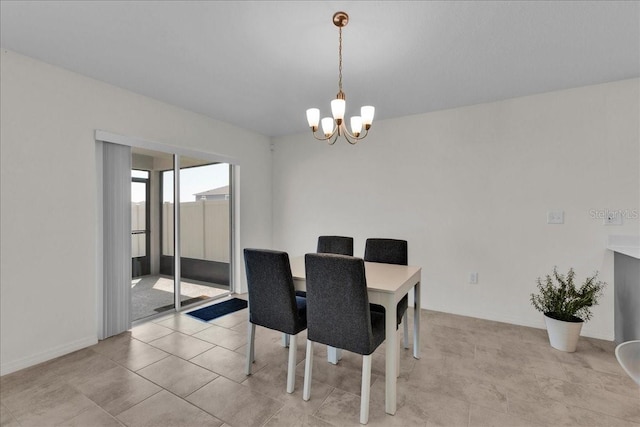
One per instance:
[(332, 128)]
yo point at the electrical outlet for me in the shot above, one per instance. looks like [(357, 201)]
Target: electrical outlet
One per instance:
[(473, 278), (555, 217), (613, 218)]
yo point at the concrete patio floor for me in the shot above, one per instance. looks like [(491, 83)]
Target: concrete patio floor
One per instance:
[(153, 294)]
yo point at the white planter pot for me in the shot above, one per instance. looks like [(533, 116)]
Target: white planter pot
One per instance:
[(563, 335)]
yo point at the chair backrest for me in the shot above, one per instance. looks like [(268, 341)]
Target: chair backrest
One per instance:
[(338, 311), (272, 300), (388, 251), (335, 245)]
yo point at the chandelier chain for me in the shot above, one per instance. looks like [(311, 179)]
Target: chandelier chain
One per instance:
[(340, 60)]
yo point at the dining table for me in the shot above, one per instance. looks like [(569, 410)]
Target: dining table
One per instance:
[(386, 285)]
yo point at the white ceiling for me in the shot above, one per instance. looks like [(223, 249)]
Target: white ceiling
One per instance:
[(261, 64)]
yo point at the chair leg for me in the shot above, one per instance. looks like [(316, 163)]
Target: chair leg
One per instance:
[(405, 322), (291, 369), (366, 389), (285, 340), (251, 335), (308, 368)]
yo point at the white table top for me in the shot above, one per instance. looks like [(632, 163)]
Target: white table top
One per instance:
[(380, 277)]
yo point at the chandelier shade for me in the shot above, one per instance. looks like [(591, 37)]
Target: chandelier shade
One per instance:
[(333, 127)]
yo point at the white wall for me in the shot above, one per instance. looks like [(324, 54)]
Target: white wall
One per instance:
[(48, 116), (470, 188)]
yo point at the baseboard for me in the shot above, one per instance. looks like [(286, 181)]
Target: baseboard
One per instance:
[(61, 350), (497, 317)]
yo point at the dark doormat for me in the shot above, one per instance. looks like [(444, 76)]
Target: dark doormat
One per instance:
[(218, 310)]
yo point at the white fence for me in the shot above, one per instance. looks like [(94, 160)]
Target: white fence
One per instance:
[(204, 228)]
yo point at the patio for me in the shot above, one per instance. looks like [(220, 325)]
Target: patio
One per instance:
[(153, 294)]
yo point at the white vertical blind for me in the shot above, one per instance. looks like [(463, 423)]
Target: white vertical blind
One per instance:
[(116, 211)]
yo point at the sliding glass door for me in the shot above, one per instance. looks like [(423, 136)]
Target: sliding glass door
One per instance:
[(203, 232), (205, 229), (177, 249), (152, 289)]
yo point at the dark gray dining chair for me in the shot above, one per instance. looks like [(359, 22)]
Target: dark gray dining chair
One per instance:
[(335, 245), (391, 251), (340, 245), (339, 315), (273, 303)]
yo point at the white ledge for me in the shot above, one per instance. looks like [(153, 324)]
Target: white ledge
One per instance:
[(626, 245)]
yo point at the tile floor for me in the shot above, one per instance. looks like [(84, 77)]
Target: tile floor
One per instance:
[(178, 371)]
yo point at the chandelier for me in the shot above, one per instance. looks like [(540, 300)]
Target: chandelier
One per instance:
[(332, 128)]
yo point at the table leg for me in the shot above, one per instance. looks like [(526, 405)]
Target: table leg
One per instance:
[(416, 321), (398, 353), (391, 354)]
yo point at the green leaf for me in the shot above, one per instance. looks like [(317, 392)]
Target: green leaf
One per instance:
[(559, 295)]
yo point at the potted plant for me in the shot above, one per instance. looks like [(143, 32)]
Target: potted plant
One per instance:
[(566, 306)]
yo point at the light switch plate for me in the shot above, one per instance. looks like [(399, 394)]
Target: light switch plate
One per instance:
[(555, 217), (613, 218)]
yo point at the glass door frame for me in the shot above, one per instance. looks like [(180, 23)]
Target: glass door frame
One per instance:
[(177, 238), (177, 241)]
